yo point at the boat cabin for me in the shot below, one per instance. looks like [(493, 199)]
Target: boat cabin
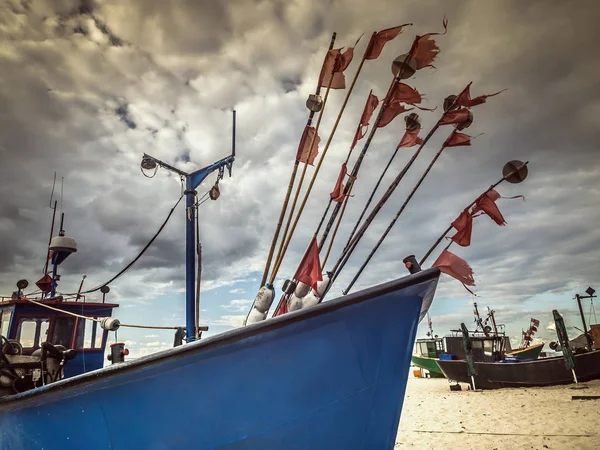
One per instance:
[(429, 347), (30, 324), (484, 348)]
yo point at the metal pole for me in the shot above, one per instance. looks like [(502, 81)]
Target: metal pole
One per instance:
[(190, 260), (585, 330)]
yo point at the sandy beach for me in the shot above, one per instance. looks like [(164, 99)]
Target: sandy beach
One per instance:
[(433, 417)]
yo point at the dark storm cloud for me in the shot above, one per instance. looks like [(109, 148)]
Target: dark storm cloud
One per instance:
[(88, 87)]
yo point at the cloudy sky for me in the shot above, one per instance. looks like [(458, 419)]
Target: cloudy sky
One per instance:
[(86, 87)]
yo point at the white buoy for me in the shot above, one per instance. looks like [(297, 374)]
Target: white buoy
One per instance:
[(310, 299), (322, 285), (255, 316), (264, 298), (301, 289), (294, 303)]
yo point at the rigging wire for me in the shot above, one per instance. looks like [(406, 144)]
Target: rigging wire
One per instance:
[(128, 266)]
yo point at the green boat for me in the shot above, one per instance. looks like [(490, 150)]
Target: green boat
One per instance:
[(427, 352), (532, 352)]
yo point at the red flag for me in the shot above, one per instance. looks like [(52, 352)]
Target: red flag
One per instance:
[(465, 99), (406, 94), (335, 64), (535, 322), (390, 113), (44, 283), (378, 40), (487, 204), (464, 227), (337, 195), (309, 271), (457, 139), (370, 106), (458, 268), (304, 154), (411, 138), (456, 116), (425, 49)]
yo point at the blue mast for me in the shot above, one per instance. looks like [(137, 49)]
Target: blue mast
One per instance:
[(192, 181)]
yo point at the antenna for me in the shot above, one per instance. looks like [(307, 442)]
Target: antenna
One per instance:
[(233, 136), (52, 193), (62, 183)]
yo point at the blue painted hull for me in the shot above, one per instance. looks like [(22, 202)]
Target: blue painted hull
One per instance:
[(329, 377)]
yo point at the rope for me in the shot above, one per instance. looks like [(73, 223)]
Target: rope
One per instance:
[(128, 266), (151, 327)]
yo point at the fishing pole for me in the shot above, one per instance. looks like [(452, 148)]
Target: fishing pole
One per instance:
[(292, 179), (518, 174), (360, 233), (284, 248)]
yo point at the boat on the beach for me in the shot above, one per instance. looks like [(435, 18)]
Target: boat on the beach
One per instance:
[(531, 373), (578, 364), (315, 374), (489, 344)]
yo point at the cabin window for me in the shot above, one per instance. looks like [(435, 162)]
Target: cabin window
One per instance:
[(31, 332), (477, 344), (488, 347), (5, 323), (63, 331), (89, 335)]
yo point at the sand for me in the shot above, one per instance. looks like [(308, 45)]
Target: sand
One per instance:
[(433, 417)]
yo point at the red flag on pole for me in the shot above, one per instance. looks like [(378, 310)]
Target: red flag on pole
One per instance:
[(379, 39), (456, 116), (487, 204), (425, 49), (304, 154), (334, 65), (390, 113), (465, 98), (464, 227), (337, 195), (457, 268), (372, 102), (411, 138), (457, 139), (309, 271)]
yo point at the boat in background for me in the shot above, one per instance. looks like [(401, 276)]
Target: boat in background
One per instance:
[(489, 344), (576, 364)]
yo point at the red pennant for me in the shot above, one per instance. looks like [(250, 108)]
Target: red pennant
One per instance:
[(334, 65), (456, 116), (457, 139), (44, 283), (410, 138), (487, 204), (457, 268), (378, 40), (464, 227), (390, 113), (372, 102), (337, 195), (309, 271), (304, 152), (425, 49), (465, 99)]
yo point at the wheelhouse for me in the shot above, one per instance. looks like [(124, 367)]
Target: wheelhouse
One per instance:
[(30, 324)]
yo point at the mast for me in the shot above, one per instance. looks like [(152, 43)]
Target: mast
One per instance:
[(192, 181)]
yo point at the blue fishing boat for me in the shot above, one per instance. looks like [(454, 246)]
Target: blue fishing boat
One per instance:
[(330, 376), (315, 375)]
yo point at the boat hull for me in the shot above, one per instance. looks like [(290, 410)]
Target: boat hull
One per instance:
[(541, 372), (428, 363), (532, 352), (331, 376)]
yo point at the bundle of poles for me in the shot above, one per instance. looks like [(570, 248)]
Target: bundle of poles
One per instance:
[(309, 285)]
